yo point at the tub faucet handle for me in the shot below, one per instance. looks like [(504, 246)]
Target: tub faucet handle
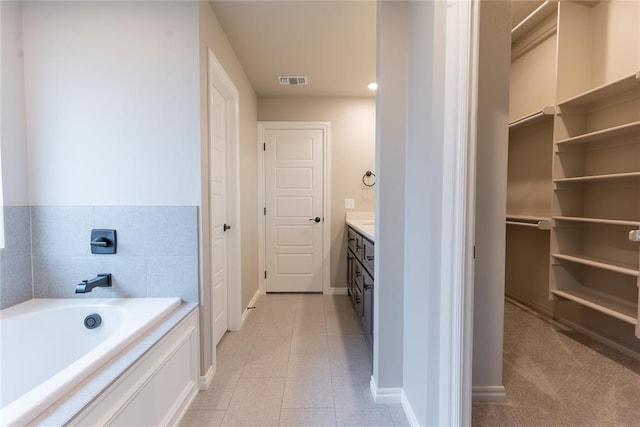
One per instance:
[(100, 241)]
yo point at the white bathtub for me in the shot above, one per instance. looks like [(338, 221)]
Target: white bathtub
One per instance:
[(46, 350)]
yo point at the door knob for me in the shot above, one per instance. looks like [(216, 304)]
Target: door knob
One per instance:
[(316, 219), (226, 227)]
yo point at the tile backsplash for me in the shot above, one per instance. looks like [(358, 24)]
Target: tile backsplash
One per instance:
[(16, 280), (157, 252)]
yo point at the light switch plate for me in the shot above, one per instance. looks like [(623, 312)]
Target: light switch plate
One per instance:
[(349, 203)]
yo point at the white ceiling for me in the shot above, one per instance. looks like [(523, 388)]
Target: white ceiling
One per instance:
[(333, 43)]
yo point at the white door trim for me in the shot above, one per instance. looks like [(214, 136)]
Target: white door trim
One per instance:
[(219, 78), (459, 203), (326, 198)]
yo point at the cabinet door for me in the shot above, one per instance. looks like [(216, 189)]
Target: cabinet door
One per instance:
[(349, 273), (351, 239), (367, 306), (357, 300), (367, 255)]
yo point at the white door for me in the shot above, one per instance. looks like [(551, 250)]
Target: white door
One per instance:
[(294, 209), (218, 210)]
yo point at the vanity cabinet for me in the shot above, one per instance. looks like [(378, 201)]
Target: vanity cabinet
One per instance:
[(360, 257)]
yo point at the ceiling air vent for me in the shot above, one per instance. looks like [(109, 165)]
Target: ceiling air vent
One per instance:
[(293, 80)]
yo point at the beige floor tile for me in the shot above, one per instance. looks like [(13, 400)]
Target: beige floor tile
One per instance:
[(314, 344), (398, 416), (278, 303), (276, 328), (355, 406), (236, 343), (202, 419), (256, 401), (310, 417), (218, 396), (344, 325), (317, 315), (307, 328), (349, 392), (269, 358), (307, 392), (308, 366), (364, 416)]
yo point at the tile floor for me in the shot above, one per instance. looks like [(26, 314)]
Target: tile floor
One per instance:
[(299, 360)]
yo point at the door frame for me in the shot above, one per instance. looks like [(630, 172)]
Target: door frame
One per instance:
[(325, 127), (219, 78)]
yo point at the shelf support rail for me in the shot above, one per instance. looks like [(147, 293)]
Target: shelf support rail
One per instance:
[(540, 225)]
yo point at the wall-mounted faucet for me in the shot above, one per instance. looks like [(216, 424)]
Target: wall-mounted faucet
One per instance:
[(101, 281)]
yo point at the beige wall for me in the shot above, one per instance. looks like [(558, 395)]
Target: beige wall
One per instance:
[(352, 153), (212, 36)]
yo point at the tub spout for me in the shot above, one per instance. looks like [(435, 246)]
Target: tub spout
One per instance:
[(102, 281)]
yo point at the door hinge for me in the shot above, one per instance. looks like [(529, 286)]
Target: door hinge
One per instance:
[(264, 211), (474, 252), (264, 146), (265, 274)]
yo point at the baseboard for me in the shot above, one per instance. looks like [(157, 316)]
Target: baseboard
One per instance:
[(488, 393), (336, 291), (408, 410), (205, 380), (252, 303), (559, 321), (385, 395)]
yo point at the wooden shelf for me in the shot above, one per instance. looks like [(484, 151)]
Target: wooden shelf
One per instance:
[(619, 87), (534, 18), (597, 221), (594, 178), (612, 306), (545, 112), (629, 270), (614, 132)]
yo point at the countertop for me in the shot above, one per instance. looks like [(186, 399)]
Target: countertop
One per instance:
[(363, 222)]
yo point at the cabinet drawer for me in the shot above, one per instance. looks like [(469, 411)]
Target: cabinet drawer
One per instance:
[(367, 255)]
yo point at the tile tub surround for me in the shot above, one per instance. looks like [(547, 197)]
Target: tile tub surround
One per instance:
[(16, 284), (157, 252)]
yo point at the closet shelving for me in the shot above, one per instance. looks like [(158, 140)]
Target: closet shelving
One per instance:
[(532, 19), (530, 151), (596, 178), (627, 269), (574, 164), (600, 301)]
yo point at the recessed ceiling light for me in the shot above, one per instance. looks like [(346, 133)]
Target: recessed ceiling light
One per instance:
[(373, 86)]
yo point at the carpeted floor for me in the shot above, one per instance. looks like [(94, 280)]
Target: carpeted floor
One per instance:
[(557, 377)]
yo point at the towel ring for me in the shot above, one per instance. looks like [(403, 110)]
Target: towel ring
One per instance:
[(369, 174)]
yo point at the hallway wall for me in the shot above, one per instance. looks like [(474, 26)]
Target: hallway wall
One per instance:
[(352, 153)]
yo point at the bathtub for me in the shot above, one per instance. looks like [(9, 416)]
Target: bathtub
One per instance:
[(46, 350)]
